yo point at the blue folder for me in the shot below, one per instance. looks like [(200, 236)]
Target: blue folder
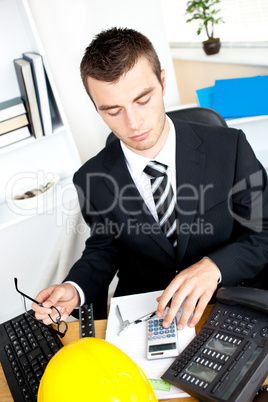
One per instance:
[(205, 96), (241, 97)]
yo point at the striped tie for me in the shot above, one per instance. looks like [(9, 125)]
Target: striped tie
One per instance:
[(164, 199)]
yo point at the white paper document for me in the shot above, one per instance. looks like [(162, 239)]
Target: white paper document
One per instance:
[(133, 340)]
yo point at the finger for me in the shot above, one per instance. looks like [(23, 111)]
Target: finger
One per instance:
[(53, 317), (65, 316), (187, 311), (55, 296), (199, 310), (174, 307), (42, 297), (166, 296), (64, 312), (45, 294)]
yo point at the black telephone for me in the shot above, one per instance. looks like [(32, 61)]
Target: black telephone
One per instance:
[(228, 358)]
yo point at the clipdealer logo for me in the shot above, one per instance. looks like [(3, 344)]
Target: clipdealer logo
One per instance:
[(251, 216)]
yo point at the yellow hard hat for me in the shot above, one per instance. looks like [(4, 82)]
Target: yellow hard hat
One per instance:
[(91, 369)]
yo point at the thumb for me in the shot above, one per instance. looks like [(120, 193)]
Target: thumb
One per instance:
[(54, 298)]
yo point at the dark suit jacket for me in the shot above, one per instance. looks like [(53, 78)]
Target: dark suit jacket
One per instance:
[(222, 202)]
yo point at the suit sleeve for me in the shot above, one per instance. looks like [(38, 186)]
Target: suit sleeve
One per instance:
[(246, 254), (96, 268)]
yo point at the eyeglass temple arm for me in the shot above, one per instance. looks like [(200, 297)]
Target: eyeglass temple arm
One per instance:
[(23, 294)]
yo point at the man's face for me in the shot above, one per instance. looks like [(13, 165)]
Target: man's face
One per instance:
[(133, 108)]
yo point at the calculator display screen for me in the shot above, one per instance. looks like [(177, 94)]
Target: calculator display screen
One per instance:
[(221, 346), (164, 346)]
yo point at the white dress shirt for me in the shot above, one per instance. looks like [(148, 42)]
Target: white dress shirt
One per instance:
[(136, 164)]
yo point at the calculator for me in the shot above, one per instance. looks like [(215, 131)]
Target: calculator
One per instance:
[(161, 342), (227, 361)]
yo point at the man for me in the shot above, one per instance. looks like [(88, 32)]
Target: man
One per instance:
[(219, 235)]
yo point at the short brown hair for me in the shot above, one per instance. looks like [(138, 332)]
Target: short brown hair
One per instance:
[(114, 52)]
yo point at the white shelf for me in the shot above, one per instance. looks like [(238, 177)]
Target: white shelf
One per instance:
[(62, 196), (37, 245), (245, 56)]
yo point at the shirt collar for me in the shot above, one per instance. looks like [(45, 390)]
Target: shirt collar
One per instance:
[(136, 163)]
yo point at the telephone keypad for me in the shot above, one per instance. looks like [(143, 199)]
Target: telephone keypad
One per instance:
[(237, 323)]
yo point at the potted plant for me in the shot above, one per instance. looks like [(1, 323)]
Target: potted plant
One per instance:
[(205, 11)]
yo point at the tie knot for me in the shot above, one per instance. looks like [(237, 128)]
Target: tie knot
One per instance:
[(155, 169)]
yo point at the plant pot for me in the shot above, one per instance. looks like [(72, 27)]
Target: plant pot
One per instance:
[(212, 46)]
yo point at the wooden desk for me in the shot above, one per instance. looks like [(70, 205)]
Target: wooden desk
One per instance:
[(100, 330)]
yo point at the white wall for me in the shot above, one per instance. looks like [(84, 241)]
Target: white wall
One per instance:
[(66, 27)]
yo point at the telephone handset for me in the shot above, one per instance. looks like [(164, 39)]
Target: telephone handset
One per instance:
[(257, 299), (228, 358)]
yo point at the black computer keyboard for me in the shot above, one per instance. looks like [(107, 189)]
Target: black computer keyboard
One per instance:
[(26, 347)]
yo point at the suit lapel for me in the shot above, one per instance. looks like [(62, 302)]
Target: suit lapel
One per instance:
[(128, 197), (190, 165)]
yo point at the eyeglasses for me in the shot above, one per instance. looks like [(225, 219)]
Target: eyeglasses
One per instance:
[(61, 325)]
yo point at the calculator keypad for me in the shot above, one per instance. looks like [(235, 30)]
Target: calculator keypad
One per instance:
[(157, 331)]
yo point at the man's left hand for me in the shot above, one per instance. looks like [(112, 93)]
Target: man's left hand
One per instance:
[(198, 283)]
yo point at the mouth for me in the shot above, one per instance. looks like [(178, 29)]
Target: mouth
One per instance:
[(141, 136)]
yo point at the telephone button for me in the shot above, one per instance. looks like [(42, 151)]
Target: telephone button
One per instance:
[(231, 366), (254, 320), (239, 355), (264, 332), (246, 346), (214, 389), (225, 374)]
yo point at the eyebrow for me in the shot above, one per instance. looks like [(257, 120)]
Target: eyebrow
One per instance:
[(143, 93)]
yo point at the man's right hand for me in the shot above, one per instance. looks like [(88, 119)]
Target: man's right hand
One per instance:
[(64, 297)]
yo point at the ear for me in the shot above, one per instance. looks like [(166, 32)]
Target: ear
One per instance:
[(163, 79)]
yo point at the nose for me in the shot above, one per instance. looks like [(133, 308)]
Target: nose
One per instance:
[(133, 119)]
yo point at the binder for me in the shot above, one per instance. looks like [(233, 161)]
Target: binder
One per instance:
[(241, 97)]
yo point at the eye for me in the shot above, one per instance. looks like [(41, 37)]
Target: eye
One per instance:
[(144, 101), (115, 113)]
